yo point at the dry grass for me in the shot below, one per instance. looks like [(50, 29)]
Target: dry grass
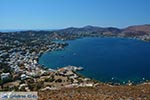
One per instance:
[(101, 92)]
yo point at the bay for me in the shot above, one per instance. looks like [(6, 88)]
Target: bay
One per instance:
[(105, 59)]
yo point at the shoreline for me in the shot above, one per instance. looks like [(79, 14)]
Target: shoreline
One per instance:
[(26, 73), (113, 83), (109, 82)]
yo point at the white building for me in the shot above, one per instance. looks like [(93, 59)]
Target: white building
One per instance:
[(23, 77), (5, 76)]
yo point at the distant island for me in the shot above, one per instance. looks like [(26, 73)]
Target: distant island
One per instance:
[(20, 51)]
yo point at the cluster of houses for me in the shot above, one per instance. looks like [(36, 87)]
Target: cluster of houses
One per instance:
[(20, 55), (23, 61), (144, 37)]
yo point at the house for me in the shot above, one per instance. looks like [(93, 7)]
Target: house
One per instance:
[(5, 76), (23, 77)]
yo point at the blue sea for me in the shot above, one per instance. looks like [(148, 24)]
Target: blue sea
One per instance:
[(104, 59)]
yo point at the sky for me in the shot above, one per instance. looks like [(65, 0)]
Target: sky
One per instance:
[(57, 14)]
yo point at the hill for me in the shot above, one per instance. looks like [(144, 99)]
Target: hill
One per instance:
[(100, 30)]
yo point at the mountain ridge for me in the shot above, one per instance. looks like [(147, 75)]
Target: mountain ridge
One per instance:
[(144, 29)]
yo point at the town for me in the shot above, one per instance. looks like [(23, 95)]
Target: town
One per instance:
[(20, 52), (20, 69)]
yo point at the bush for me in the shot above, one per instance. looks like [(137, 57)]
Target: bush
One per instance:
[(59, 80)]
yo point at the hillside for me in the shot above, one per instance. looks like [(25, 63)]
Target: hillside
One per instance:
[(143, 28), (134, 30), (101, 92), (137, 30)]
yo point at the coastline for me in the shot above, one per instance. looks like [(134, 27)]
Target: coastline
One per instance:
[(110, 82), (56, 83), (24, 72)]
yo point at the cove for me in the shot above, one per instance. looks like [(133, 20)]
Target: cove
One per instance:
[(105, 59)]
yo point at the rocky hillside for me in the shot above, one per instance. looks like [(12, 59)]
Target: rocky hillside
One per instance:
[(101, 92), (144, 28), (137, 30), (131, 30)]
